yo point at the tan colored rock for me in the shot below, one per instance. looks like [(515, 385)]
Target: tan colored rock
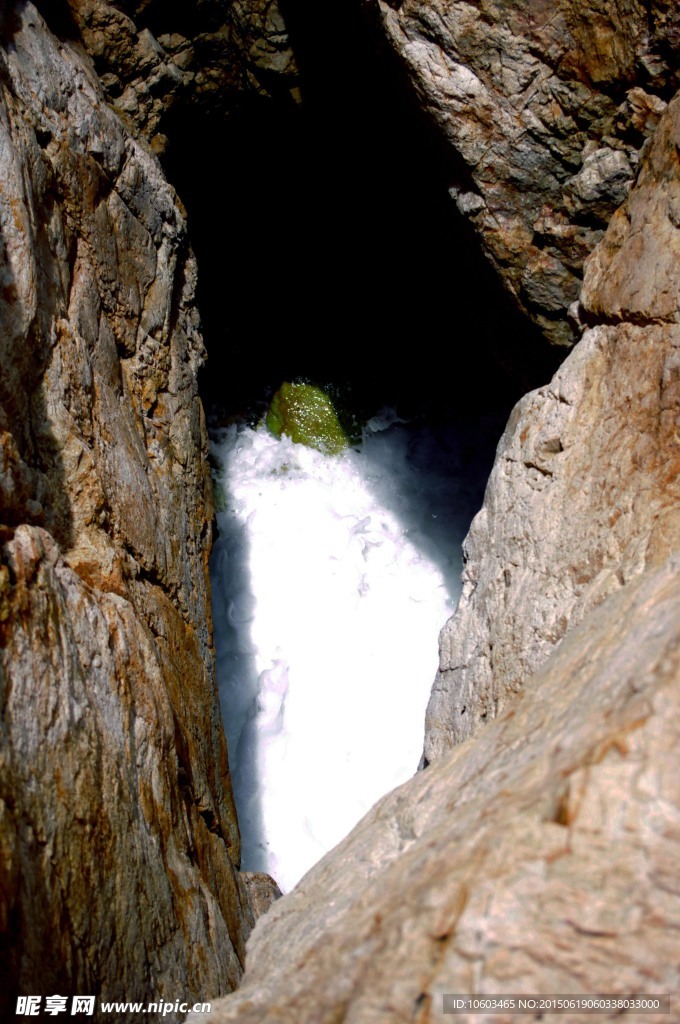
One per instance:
[(585, 491), (542, 857), (633, 275), (542, 154), (118, 839), (262, 891)]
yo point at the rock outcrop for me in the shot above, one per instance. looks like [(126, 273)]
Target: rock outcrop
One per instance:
[(585, 491), (545, 107), (541, 858), (119, 845), (214, 54), (541, 855)]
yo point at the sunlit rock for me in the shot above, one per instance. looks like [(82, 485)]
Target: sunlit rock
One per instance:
[(119, 847), (542, 107)]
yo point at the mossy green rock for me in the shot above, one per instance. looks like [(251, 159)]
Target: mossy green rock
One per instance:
[(306, 415)]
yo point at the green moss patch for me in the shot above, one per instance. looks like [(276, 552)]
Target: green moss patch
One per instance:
[(305, 414)]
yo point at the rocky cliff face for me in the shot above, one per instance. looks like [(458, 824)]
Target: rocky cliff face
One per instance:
[(119, 845), (540, 856), (545, 107), (153, 57), (585, 492)]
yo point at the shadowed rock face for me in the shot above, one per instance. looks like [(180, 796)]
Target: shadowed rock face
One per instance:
[(154, 55), (119, 844), (539, 856), (545, 107)]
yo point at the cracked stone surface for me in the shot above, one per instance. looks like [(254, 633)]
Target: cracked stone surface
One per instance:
[(119, 844), (585, 491), (545, 108)]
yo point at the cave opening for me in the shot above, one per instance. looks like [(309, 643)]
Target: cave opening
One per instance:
[(327, 241), (330, 251)]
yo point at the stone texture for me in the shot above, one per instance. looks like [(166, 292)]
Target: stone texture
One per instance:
[(585, 491), (262, 891), (120, 848), (633, 275), (213, 54), (545, 107), (542, 857)]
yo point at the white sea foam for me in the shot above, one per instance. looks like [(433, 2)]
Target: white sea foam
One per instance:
[(332, 576)]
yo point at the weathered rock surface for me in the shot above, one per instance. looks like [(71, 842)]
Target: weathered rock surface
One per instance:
[(262, 891), (153, 56), (543, 854), (585, 491), (119, 844), (545, 107), (541, 857)]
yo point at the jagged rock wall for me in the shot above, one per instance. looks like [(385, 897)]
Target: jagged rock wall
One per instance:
[(541, 855), (119, 844), (545, 107), (152, 56), (585, 491)]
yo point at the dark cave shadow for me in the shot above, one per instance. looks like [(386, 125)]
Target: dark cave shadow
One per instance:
[(56, 13), (59, 19), (10, 22)]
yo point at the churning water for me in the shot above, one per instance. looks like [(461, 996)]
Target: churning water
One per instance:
[(332, 576)]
